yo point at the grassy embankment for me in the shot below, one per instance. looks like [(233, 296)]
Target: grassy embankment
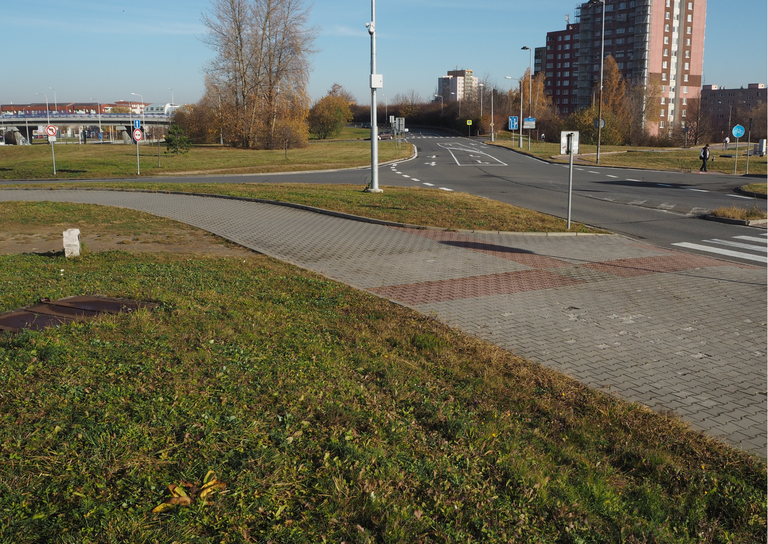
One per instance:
[(115, 161), (648, 157), (330, 414)]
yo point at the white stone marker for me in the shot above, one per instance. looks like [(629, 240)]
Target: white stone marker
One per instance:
[(72, 243)]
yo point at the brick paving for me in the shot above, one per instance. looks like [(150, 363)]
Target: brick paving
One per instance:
[(673, 331)]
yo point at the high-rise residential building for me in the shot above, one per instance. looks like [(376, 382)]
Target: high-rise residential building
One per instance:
[(457, 85), (561, 67), (654, 42)]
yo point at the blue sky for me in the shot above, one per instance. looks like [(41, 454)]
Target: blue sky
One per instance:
[(108, 49)]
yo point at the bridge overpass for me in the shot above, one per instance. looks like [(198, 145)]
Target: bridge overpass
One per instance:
[(28, 123)]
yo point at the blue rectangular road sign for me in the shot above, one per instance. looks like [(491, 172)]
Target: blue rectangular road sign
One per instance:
[(136, 123), (513, 123)]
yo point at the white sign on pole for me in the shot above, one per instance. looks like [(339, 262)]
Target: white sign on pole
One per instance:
[(529, 123), (564, 142)]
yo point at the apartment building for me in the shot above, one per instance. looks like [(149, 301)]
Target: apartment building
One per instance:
[(654, 42), (725, 106), (457, 85), (561, 67)]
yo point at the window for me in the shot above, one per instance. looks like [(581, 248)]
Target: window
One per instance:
[(620, 30), (689, 18), (567, 46), (632, 3), (619, 41), (685, 89), (559, 47), (664, 77), (565, 100), (687, 54), (661, 124), (687, 66), (619, 54), (683, 114), (666, 40), (608, 32), (565, 83), (666, 28), (558, 92), (662, 112), (550, 57), (685, 101), (664, 65), (566, 74), (663, 88), (690, 5), (688, 30), (567, 37), (549, 65), (558, 65), (566, 65), (622, 5), (666, 16), (663, 100), (666, 52), (549, 74), (688, 42), (559, 38), (620, 65), (559, 56)]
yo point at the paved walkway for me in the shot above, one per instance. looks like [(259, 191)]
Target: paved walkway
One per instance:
[(673, 331)]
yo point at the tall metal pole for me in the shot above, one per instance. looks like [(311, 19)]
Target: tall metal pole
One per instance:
[(749, 142), (530, 91), (376, 83), (520, 142), (492, 114), (570, 175), (600, 99)]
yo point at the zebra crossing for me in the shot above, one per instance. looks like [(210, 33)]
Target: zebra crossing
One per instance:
[(750, 248)]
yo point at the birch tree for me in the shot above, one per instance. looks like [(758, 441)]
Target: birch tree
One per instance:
[(262, 65)]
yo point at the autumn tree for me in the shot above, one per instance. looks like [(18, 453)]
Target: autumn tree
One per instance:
[(643, 107), (329, 114), (261, 67)]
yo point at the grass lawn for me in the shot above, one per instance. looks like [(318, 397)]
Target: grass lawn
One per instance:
[(415, 206), (647, 158), (330, 415), (119, 160), (756, 188)]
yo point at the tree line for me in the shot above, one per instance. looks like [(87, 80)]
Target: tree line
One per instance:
[(256, 94)]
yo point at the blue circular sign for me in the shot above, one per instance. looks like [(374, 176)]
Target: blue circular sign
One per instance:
[(738, 131)]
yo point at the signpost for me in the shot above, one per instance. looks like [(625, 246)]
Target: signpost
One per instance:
[(469, 128), (569, 145), (738, 132), (529, 123), (137, 135), (51, 131)]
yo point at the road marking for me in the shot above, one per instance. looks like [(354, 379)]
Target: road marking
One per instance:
[(720, 251), (750, 239), (632, 179), (446, 189), (414, 179), (663, 185), (591, 172), (666, 206), (428, 184), (699, 190), (406, 176), (610, 176), (739, 196), (637, 202), (396, 172), (761, 249)]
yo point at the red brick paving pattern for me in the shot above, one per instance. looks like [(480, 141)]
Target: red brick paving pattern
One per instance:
[(478, 286)]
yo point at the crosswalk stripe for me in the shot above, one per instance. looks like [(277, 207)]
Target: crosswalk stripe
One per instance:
[(726, 252), (761, 249), (750, 239)]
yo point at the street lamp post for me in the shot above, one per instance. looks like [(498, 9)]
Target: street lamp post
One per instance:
[(492, 123), (376, 83), (530, 91), (600, 94), (481, 85), (48, 113)]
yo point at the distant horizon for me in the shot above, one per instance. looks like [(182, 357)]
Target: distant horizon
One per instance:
[(90, 52)]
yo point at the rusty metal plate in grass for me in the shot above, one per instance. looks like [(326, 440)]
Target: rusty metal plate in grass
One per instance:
[(54, 313)]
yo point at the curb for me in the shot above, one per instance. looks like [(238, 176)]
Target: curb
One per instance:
[(744, 222), (749, 193)]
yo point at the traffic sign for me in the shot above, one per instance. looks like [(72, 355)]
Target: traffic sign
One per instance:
[(529, 123), (137, 134), (738, 131), (136, 123), (602, 123), (51, 130), (513, 123), (469, 121), (574, 134)]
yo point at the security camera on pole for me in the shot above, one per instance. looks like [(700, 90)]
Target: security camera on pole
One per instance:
[(377, 82)]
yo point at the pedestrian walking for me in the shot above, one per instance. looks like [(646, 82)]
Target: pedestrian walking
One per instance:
[(726, 142), (704, 156)]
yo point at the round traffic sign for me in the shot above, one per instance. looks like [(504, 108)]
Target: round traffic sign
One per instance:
[(738, 131), (137, 134), (50, 130)]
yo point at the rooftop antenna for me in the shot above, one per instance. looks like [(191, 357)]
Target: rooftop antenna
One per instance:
[(567, 18)]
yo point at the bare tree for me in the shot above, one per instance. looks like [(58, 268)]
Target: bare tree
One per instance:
[(262, 64)]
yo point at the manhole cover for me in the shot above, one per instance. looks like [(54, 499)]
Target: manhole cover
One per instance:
[(53, 313)]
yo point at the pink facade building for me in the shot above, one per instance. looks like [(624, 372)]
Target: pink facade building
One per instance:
[(654, 42)]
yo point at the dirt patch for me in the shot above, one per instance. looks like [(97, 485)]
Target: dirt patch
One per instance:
[(50, 241)]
